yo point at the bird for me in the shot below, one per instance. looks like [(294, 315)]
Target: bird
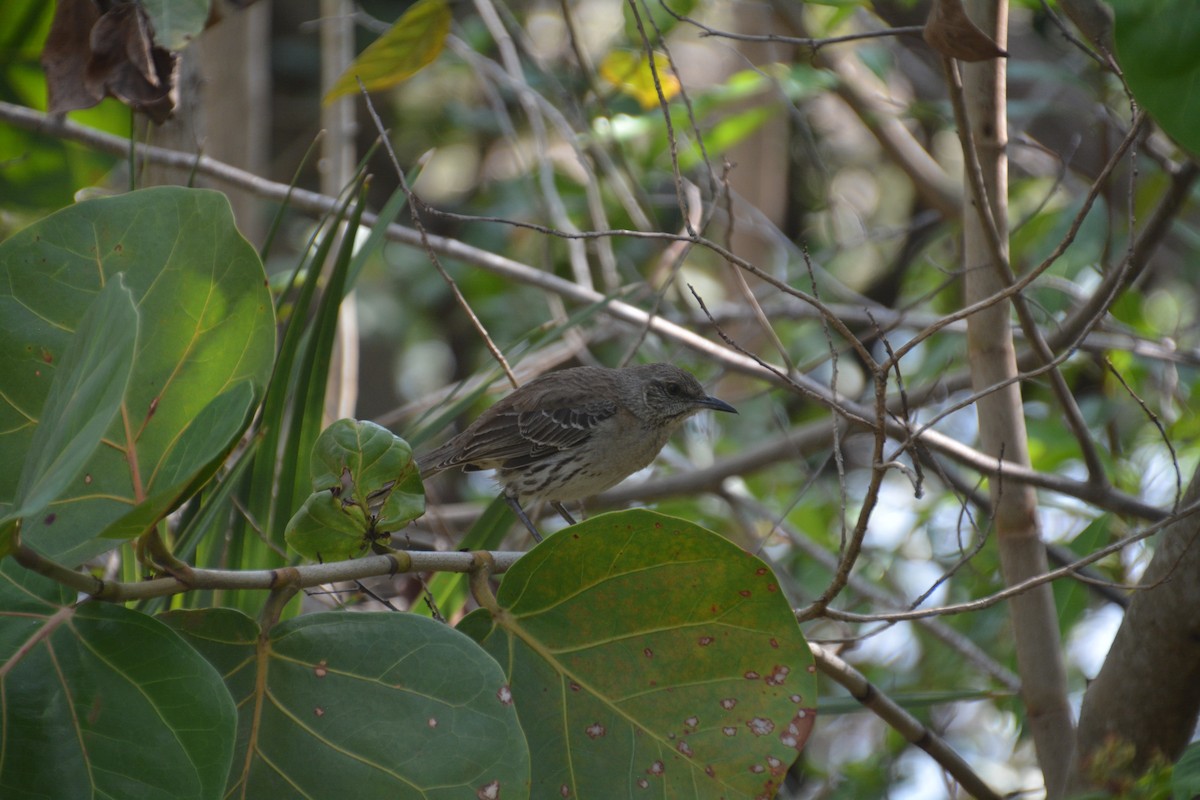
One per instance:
[(573, 433)]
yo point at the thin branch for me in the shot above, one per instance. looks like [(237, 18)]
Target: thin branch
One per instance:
[(803, 41), (415, 205), (1018, 286), (672, 144), (999, 254), (868, 589), (1017, 588), (903, 722), (313, 202), (526, 97)]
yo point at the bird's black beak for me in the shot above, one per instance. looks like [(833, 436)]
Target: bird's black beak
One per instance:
[(717, 405)]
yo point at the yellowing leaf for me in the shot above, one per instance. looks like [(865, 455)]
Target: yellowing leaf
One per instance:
[(410, 45), (630, 73)]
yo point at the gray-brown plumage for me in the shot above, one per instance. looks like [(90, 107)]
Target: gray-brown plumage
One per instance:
[(574, 433)]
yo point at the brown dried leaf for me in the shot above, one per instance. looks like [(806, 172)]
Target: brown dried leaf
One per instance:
[(952, 33), (89, 55), (66, 54)]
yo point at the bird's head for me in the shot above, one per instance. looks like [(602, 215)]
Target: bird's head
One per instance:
[(669, 394)]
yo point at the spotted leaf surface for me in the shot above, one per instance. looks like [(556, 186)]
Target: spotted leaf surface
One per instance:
[(99, 701), (365, 705), (649, 657)]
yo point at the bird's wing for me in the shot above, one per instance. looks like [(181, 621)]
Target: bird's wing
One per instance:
[(512, 438), (526, 426), (561, 428)]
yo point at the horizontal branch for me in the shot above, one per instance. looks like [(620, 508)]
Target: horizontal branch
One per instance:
[(1017, 588), (301, 577), (319, 204), (1098, 342)]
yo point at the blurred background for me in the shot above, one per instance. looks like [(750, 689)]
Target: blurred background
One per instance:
[(833, 170)]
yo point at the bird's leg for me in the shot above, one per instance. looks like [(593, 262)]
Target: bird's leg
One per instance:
[(562, 510), (521, 515)]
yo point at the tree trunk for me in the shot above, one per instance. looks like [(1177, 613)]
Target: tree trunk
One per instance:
[(1148, 692), (1001, 419)]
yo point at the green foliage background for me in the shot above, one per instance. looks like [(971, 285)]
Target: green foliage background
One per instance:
[(221, 401)]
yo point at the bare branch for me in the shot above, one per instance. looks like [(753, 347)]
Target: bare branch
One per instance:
[(904, 723)]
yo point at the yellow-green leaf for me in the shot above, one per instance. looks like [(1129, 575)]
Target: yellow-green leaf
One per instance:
[(412, 43), (630, 73)]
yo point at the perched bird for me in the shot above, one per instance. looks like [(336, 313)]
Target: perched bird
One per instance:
[(571, 434)]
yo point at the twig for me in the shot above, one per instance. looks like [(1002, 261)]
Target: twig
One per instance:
[(1022, 587), (313, 202), (414, 205), (904, 723), (672, 144), (999, 251)]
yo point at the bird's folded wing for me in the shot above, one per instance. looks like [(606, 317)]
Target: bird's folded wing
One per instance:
[(513, 439), (562, 428)]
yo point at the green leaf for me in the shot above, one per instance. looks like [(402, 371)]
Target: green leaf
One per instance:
[(645, 652), (325, 530), (1185, 779), (365, 485), (1156, 46), (84, 396), (101, 701), (191, 460), (410, 45), (177, 22), (394, 705), (207, 323)]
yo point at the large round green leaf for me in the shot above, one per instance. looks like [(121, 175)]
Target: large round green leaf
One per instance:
[(651, 657), (363, 705), (1158, 45), (99, 701), (206, 336)]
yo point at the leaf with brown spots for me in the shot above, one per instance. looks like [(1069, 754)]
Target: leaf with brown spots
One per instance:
[(637, 638), (394, 705), (203, 356), (99, 700)]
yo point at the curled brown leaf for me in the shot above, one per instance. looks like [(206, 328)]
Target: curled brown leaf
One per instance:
[(92, 52), (952, 33)]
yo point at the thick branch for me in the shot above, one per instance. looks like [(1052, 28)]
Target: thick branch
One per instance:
[(1148, 691), (1002, 430), (301, 577)]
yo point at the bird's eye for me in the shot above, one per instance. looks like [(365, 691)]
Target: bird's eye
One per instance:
[(674, 389)]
